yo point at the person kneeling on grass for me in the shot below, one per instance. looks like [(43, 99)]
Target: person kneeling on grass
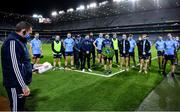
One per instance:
[(86, 51), (144, 48), (69, 52), (107, 47), (57, 52), (124, 46)]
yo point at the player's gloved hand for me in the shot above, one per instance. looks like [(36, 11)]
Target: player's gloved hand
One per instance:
[(26, 91), (87, 52)]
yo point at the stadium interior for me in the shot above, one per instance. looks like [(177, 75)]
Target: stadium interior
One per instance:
[(137, 17)]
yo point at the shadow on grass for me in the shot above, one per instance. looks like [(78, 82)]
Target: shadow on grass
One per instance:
[(34, 99)]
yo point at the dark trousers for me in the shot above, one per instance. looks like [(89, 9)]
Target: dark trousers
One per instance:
[(116, 55), (93, 53), (16, 101), (86, 57), (77, 59)]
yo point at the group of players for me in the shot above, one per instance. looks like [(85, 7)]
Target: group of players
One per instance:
[(82, 50)]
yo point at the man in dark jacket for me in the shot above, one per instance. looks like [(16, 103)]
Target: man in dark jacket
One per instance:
[(93, 53), (144, 48), (86, 51), (77, 52), (16, 66), (124, 46)]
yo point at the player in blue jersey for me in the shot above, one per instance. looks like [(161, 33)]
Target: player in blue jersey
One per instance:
[(107, 61), (36, 49), (169, 54), (69, 52), (132, 48), (160, 51), (98, 45)]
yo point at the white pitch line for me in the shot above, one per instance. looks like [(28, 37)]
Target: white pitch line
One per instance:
[(121, 71)]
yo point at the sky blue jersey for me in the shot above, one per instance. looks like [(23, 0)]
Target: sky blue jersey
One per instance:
[(132, 45), (99, 42), (160, 45), (169, 47), (69, 44), (36, 46)]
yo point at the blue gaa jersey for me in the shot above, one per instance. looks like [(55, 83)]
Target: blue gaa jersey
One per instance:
[(107, 43), (69, 44), (169, 47), (36, 46), (132, 45), (98, 42), (160, 45)]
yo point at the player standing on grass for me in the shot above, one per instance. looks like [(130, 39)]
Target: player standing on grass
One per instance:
[(98, 45), (78, 52), (149, 53), (177, 42), (144, 48), (16, 66), (107, 43), (115, 46), (169, 54), (124, 47), (57, 51), (86, 52), (160, 51), (131, 50), (93, 53), (138, 46), (69, 45), (36, 49)]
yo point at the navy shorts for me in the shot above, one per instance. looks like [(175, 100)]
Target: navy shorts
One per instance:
[(36, 56), (105, 60), (131, 54), (57, 55), (160, 53), (99, 51), (171, 58), (124, 55), (144, 56), (69, 53)]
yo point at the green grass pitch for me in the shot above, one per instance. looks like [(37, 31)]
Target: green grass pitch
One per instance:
[(74, 91)]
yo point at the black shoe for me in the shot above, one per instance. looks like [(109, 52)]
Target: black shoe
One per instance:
[(109, 71), (164, 74), (172, 75)]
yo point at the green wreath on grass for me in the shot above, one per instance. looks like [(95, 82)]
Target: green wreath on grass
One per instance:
[(108, 52)]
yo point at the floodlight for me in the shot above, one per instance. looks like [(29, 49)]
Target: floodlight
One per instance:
[(81, 7), (54, 13), (70, 10)]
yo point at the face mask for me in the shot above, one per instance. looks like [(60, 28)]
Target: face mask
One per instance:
[(37, 37), (27, 36), (123, 37), (68, 36), (160, 38)]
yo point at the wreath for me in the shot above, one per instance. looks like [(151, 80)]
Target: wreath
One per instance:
[(108, 52)]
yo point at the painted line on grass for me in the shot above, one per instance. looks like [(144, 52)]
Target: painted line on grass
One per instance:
[(121, 71), (131, 67)]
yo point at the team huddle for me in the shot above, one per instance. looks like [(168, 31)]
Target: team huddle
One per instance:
[(104, 48)]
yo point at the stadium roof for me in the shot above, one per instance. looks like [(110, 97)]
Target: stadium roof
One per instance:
[(43, 7)]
